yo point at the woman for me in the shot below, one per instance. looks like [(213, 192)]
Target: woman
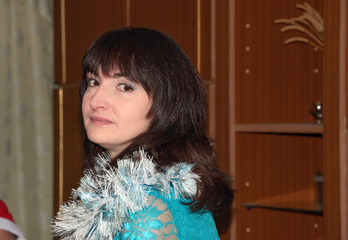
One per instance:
[(151, 168)]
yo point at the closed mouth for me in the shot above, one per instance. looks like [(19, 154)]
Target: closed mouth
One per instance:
[(100, 120)]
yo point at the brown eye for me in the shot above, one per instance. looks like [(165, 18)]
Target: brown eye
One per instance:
[(125, 87), (93, 83)]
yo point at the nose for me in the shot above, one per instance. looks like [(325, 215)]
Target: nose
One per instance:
[(99, 99)]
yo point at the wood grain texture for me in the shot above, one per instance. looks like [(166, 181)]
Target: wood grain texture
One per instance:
[(82, 24), (68, 143), (295, 128), (280, 225), (177, 18), (277, 168), (331, 131), (223, 105), (274, 82)]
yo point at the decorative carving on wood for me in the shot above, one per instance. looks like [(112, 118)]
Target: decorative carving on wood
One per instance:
[(310, 24)]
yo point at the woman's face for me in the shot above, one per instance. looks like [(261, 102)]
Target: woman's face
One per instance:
[(114, 111)]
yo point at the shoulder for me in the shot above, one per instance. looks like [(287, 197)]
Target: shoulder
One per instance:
[(113, 198), (166, 217), (152, 222)]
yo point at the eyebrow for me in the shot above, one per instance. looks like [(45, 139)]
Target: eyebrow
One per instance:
[(116, 75), (91, 74)]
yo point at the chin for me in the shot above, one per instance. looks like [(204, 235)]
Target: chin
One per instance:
[(97, 139)]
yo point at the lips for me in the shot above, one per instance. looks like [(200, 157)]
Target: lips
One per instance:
[(100, 121)]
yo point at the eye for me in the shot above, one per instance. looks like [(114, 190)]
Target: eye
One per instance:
[(125, 87), (92, 82)]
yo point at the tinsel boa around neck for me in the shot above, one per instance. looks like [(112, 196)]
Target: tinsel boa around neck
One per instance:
[(101, 205)]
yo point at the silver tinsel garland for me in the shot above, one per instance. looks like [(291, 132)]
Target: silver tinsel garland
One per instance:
[(101, 205)]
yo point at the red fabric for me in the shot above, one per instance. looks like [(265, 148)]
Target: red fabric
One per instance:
[(4, 213)]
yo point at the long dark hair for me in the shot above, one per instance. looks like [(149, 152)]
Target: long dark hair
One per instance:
[(178, 113)]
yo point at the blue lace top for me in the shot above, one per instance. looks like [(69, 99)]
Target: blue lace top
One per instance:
[(168, 218)]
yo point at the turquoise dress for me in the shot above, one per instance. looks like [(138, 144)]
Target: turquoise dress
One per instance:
[(169, 218), (134, 201)]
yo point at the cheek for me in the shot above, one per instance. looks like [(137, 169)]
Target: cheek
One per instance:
[(145, 119), (84, 105), (137, 116)]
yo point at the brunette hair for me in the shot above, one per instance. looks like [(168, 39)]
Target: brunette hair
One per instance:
[(178, 113)]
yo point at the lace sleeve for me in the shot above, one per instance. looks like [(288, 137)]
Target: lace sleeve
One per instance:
[(153, 222)]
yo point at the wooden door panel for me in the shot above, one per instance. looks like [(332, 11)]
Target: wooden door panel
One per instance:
[(280, 225), (68, 143), (275, 82), (277, 167), (80, 24), (178, 18)]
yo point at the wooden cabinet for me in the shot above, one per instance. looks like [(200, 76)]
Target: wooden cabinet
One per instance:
[(279, 147)]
